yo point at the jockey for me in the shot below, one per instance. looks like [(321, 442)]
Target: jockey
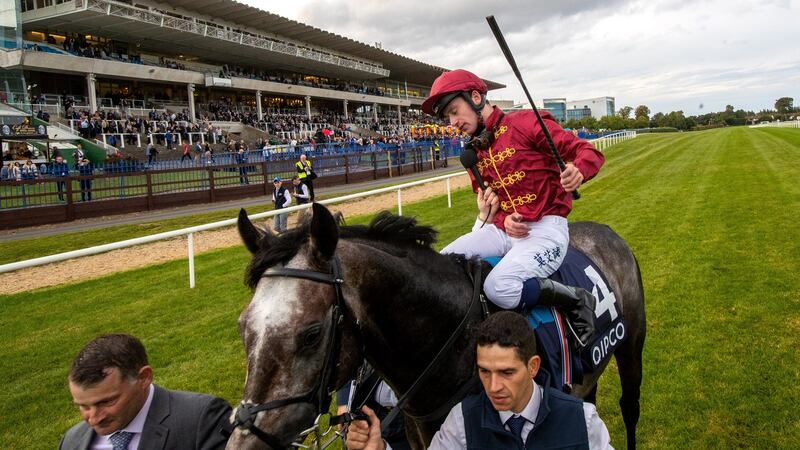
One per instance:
[(523, 209)]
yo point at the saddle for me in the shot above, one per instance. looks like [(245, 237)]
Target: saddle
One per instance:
[(565, 365)]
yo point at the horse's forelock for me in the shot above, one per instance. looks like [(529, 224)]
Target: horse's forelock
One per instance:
[(275, 250)]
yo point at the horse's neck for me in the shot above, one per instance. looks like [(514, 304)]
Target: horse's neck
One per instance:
[(409, 307)]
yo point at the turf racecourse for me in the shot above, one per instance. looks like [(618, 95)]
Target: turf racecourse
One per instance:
[(711, 216)]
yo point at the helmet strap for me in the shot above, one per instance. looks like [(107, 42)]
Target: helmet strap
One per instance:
[(467, 95)]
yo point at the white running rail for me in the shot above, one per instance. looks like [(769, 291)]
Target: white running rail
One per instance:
[(603, 142), (789, 124)]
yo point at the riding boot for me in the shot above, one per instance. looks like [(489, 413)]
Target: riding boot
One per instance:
[(577, 304)]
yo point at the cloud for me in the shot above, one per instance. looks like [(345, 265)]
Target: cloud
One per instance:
[(668, 54)]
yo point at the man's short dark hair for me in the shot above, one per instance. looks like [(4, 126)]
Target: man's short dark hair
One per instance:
[(511, 330), (104, 352)]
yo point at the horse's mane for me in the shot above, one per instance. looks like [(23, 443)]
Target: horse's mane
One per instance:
[(387, 228)]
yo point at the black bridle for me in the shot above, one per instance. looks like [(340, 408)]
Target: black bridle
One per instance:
[(320, 394)]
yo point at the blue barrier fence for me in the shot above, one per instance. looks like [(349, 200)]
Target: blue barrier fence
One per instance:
[(131, 178)]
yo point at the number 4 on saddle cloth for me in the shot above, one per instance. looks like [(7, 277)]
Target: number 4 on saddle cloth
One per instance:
[(558, 357)]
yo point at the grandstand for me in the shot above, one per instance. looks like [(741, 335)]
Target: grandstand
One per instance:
[(195, 66)]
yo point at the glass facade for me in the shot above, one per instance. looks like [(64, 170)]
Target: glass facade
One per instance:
[(557, 107), (578, 113), (13, 88), (610, 108)]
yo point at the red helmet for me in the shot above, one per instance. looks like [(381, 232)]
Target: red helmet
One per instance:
[(448, 86)]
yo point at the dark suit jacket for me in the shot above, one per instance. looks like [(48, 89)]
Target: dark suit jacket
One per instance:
[(176, 421)]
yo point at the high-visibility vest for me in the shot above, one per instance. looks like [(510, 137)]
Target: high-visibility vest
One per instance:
[(301, 170)]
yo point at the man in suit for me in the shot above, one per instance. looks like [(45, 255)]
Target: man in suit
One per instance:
[(112, 384), (513, 411)]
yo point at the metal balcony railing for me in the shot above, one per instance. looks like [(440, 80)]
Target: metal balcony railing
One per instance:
[(113, 8)]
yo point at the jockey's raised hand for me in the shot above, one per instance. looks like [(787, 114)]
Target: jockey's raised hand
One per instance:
[(571, 178), (488, 204)]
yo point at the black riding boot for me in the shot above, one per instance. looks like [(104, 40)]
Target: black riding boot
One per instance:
[(577, 303)]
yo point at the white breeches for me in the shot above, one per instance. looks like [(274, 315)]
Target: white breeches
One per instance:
[(537, 255)]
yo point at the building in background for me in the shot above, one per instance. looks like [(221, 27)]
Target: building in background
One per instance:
[(597, 107), (557, 107)]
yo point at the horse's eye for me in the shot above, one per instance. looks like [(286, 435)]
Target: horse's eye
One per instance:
[(311, 335)]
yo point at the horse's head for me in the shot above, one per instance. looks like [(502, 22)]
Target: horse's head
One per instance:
[(299, 342)]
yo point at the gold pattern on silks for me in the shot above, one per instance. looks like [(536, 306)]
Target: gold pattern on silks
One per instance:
[(508, 180), (500, 131), (517, 201), (485, 163)]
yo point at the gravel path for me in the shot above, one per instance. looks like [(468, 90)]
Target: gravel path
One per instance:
[(75, 270)]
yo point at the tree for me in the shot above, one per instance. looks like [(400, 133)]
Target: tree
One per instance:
[(642, 111), (625, 112), (784, 105), (658, 120)]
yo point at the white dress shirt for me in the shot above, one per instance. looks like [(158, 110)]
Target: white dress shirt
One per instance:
[(452, 435), (135, 426)]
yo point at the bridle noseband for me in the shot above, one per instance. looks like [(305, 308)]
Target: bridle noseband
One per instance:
[(320, 394)]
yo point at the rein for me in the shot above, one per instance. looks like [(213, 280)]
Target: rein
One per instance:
[(440, 412), (320, 394)]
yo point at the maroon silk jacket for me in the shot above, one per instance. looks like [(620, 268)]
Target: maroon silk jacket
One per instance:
[(520, 167)]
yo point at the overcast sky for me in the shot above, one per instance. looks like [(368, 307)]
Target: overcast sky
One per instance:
[(695, 56)]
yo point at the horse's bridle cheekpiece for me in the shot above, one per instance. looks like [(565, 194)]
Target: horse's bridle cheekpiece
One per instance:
[(320, 394)]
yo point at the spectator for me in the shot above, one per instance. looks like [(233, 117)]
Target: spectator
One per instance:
[(85, 170), (59, 170), (29, 171), (4, 172), (186, 152), (14, 174), (151, 153), (111, 382), (78, 154), (281, 199), (168, 139), (300, 191), (241, 159), (306, 173)]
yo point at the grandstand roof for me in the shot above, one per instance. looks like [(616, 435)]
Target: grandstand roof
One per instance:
[(401, 67), (154, 38)]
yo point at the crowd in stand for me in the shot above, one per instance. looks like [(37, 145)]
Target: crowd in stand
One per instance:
[(165, 127), (79, 46), (298, 79)]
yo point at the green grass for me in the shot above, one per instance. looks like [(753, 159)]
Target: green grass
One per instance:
[(710, 216), (22, 249)]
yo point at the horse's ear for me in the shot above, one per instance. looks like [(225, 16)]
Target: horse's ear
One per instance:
[(251, 235), (324, 232)]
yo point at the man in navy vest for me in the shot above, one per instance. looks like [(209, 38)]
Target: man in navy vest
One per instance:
[(514, 411)]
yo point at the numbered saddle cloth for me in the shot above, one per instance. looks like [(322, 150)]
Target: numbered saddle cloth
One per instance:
[(553, 337)]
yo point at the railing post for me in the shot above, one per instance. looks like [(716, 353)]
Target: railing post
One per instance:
[(190, 240), (449, 200), (70, 200), (374, 158), (346, 170), (211, 196), (138, 140), (399, 203), (266, 178), (149, 191), (389, 162)]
